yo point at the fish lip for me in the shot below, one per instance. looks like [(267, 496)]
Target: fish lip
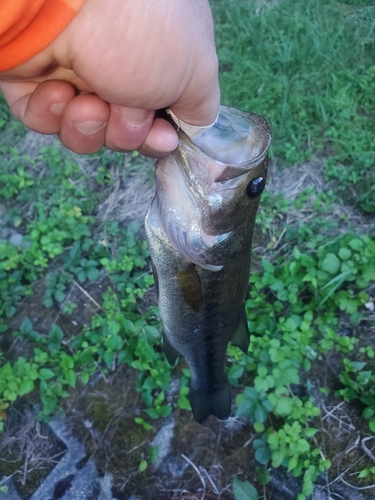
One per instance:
[(185, 139)]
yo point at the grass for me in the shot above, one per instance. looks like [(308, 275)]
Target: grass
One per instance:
[(308, 66)]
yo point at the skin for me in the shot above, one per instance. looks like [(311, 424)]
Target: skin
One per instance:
[(100, 82)]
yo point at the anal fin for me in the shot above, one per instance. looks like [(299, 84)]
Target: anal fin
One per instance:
[(170, 352), (241, 336)]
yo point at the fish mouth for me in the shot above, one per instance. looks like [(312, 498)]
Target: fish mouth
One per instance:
[(237, 139)]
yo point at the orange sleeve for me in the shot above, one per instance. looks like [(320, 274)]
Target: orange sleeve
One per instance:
[(28, 26)]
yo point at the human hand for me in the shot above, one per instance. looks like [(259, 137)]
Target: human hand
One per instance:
[(102, 79)]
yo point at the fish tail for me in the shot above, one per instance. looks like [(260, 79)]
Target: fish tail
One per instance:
[(206, 403)]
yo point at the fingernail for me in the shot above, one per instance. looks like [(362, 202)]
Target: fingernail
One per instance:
[(89, 128), (134, 116), (57, 108)]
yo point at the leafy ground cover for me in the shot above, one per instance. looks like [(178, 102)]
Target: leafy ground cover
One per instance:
[(309, 68)]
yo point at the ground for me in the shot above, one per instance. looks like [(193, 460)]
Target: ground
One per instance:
[(195, 461)]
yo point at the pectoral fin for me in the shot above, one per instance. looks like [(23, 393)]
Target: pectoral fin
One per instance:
[(241, 336), (191, 287), (170, 352)]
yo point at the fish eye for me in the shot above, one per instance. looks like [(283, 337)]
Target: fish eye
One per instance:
[(255, 187)]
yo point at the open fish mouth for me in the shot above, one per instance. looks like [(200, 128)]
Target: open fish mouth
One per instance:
[(199, 228), (235, 138)]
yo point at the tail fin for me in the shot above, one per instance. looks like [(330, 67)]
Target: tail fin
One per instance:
[(206, 403)]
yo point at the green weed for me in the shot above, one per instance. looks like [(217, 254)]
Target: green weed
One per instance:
[(291, 312)]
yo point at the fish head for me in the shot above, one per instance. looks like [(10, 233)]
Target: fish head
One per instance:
[(225, 169), (209, 189)]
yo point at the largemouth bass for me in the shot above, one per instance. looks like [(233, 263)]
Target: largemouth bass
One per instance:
[(199, 229)]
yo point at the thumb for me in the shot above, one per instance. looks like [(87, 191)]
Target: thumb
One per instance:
[(193, 119), (196, 110), (191, 130)]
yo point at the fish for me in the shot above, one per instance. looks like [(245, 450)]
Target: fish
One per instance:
[(199, 229)]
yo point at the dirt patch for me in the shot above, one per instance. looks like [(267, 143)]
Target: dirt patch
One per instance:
[(29, 449), (199, 457)]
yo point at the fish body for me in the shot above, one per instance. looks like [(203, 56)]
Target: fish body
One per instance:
[(199, 229)]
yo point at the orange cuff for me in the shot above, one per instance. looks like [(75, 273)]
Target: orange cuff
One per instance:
[(28, 26)]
